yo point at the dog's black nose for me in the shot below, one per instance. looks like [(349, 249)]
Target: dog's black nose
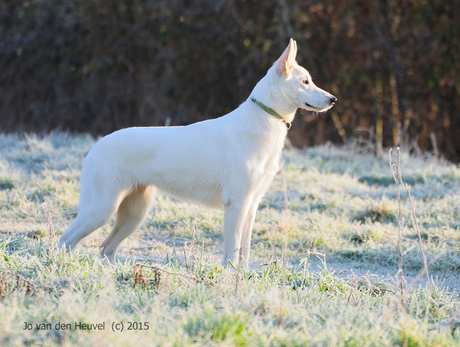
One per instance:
[(333, 99)]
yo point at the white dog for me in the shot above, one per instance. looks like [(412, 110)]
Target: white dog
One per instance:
[(226, 162)]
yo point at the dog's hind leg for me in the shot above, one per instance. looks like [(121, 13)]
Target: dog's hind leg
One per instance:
[(130, 215), (92, 215)]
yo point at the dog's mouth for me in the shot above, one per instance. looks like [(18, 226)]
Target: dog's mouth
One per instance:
[(316, 109)]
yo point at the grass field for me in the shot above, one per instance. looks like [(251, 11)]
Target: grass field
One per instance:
[(341, 287)]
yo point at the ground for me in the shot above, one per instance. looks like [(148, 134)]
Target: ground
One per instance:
[(341, 284)]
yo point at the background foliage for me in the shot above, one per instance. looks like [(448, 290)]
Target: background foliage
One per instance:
[(99, 66)]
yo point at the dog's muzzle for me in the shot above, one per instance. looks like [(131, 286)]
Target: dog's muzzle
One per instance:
[(325, 105)]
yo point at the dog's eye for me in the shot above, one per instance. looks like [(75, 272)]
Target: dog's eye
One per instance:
[(305, 81)]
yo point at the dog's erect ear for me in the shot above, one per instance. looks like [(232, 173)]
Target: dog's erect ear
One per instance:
[(287, 60)]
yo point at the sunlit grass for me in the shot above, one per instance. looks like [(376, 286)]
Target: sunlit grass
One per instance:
[(341, 205)]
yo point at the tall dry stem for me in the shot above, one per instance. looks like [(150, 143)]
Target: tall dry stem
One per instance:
[(398, 179), (193, 236), (419, 238), (238, 271), (285, 231), (51, 229)]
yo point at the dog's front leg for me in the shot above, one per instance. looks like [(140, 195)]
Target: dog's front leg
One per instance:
[(234, 218), (247, 232)]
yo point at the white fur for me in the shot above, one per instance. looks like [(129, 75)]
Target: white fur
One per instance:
[(226, 162)]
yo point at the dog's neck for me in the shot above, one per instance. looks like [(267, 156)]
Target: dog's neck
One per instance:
[(272, 98), (270, 111)]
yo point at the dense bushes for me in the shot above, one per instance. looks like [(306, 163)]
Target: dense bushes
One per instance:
[(101, 65)]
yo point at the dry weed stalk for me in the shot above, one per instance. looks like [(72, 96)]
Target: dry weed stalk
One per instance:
[(140, 279), (12, 282), (420, 274), (268, 264), (192, 259), (419, 239), (51, 229), (238, 271), (185, 256), (62, 183), (304, 260), (398, 179), (353, 297), (193, 237), (285, 230), (156, 279)]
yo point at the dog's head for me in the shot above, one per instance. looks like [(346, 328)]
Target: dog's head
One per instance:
[(295, 84)]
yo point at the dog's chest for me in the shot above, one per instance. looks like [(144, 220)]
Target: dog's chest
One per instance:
[(267, 160), (273, 161)]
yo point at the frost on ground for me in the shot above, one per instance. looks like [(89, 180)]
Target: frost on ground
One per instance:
[(341, 206)]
